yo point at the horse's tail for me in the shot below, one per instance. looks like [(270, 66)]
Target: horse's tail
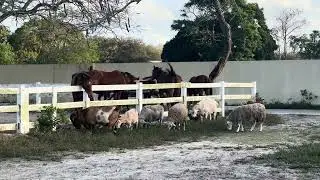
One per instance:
[(172, 72)]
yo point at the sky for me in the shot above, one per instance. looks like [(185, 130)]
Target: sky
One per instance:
[(156, 17)]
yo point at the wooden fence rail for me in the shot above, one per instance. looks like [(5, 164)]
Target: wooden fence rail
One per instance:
[(22, 108)]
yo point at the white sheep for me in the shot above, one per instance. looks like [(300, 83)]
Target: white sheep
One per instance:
[(205, 107), (130, 117), (151, 113), (178, 114), (255, 111)]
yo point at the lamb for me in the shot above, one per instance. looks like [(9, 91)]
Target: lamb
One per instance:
[(130, 117), (91, 117), (256, 111), (151, 113), (204, 108), (178, 114)]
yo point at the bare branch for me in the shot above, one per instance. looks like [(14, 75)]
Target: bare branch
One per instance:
[(84, 14), (288, 22)]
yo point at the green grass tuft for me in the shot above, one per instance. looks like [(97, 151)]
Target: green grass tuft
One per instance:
[(304, 156)]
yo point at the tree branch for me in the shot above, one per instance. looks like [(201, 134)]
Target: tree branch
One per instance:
[(222, 62)]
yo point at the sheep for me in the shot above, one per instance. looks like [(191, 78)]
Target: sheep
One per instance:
[(178, 114), (204, 108), (150, 113), (130, 117), (256, 111), (91, 117)]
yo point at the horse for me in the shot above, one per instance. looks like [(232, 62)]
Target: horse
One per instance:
[(96, 77), (199, 91), (168, 76)]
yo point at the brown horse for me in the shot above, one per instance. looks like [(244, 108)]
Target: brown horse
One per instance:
[(166, 76), (199, 91), (96, 77)]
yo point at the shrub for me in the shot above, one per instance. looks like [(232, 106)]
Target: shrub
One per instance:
[(48, 121)]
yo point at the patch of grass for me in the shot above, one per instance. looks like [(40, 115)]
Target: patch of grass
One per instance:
[(52, 145), (273, 119), (305, 156)]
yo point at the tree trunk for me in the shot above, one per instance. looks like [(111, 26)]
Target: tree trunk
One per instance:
[(226, 29)]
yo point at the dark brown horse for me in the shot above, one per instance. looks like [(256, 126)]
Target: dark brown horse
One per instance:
[(96, 77), (166, 76), (199, 91)]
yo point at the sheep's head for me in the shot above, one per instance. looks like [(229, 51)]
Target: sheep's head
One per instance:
[(229, 122), (195, 111), (229, 125)]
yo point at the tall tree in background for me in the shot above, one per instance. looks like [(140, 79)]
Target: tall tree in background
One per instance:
[(86, 15), (127, 50), (200, 37), (52, 41), (287, 23), (7, 55)]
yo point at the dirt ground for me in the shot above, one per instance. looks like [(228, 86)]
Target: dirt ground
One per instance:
[(211, 158)]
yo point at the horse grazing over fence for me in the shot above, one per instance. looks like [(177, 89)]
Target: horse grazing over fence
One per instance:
[(96, 77), (199, 91), (168, 76)]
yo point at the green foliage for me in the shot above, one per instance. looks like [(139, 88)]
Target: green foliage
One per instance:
[(47, 121), (52, 41), (306, 47), (7, 55), (200, 38), (125, 50), (306, 102), (304, 156), (4, 34)]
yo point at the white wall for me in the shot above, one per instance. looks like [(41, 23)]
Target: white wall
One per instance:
[(279, 80)]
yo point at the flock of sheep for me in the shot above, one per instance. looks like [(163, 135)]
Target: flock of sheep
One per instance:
[(178, 114)]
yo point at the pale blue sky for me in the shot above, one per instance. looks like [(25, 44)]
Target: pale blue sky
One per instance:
[(157, 16)]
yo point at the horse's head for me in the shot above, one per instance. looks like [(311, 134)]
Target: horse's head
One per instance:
[(84, 80), (157, 72)]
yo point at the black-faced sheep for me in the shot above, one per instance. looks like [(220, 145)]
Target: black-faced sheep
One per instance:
[(205, 108), (178, 114), (255, 111)]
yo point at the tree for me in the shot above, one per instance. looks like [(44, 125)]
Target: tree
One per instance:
[(7, 55), (306, 47), (84, 14), (125, 50), (44, 41), (288, 22), (200, 37)]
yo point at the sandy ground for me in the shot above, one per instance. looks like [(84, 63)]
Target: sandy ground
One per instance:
[(212, 158)]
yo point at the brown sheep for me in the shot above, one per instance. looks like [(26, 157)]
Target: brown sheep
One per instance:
[(91, 117)]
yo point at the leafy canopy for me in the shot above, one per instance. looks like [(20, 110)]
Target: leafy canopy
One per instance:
[(200, 38)]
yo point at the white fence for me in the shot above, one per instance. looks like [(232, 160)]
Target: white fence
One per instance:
[(23, 107)]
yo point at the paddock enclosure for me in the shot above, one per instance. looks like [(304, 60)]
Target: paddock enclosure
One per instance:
[(23, 107)]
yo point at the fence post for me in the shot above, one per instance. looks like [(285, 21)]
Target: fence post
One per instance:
[(139, 96), (254, 91), (222, 94), (54, 102), (38, 95), (23, 123), (184, 93), (86, 99)]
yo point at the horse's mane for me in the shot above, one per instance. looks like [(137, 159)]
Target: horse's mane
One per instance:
[(129, 74)]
